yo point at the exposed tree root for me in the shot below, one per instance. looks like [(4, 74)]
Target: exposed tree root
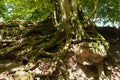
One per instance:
[(46, 42)]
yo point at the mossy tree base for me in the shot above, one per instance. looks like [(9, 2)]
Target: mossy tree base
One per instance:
[(53, 37), (43, 46)]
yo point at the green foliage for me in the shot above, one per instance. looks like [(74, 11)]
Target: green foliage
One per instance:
[(107, 10), (26, 9), (3, 9)]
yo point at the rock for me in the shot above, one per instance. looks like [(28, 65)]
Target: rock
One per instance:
[(88, 53)]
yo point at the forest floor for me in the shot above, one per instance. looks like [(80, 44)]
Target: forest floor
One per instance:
[(43, 69)]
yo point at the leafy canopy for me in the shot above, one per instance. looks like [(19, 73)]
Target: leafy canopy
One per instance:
[(105, 11), (25, 9)]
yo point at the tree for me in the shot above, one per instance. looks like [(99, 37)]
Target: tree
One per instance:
[(105, 11), (79, 32), (69, 18)]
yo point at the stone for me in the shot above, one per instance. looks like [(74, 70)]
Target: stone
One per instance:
[(88, 53)]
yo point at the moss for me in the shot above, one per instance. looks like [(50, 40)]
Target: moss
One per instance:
[(22, 75)]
